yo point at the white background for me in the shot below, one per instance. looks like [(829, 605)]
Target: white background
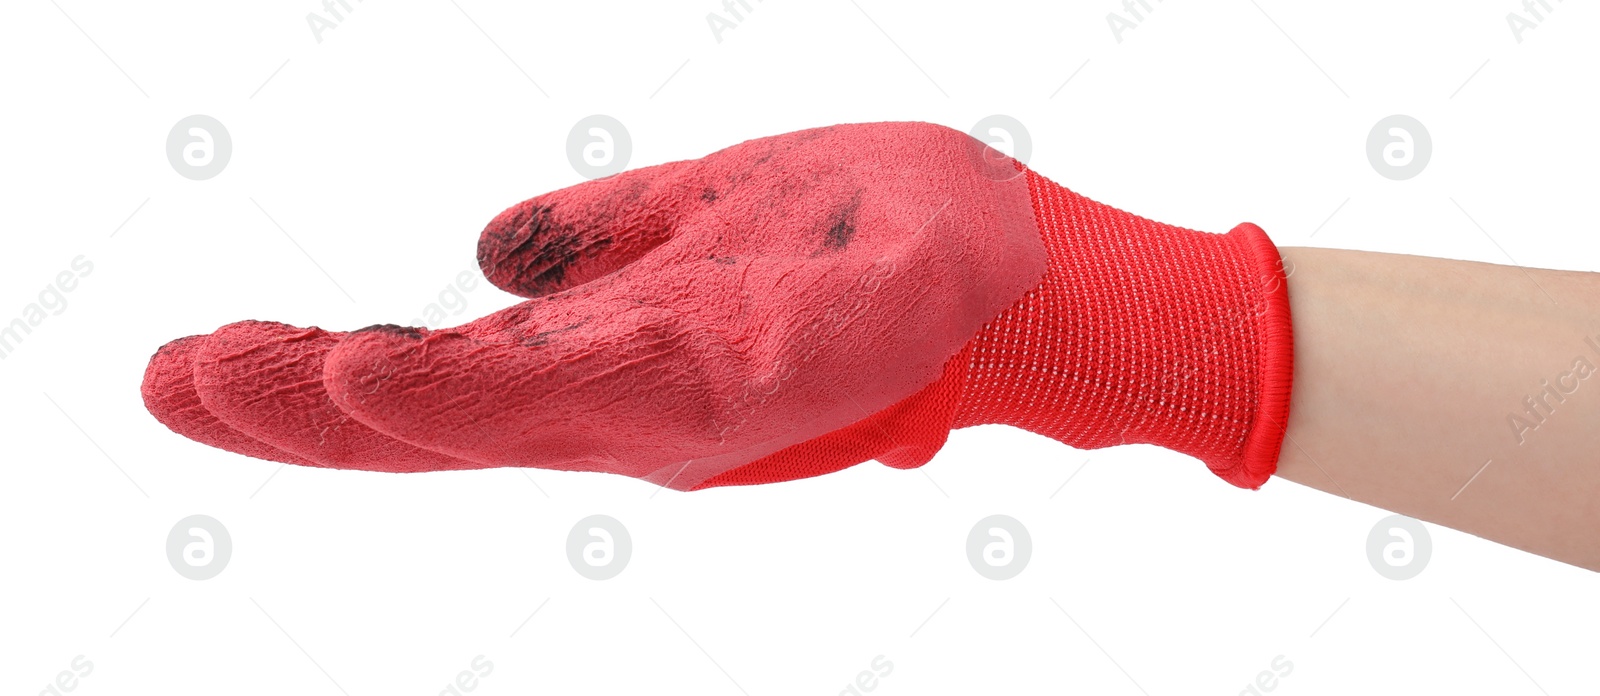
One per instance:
[(384, 149)]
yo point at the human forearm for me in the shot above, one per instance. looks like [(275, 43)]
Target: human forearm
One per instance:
[(1413, 380)]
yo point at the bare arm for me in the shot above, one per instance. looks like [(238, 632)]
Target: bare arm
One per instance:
[(1461, 393)]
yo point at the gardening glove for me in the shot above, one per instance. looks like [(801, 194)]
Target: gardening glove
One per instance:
[(784, 308)]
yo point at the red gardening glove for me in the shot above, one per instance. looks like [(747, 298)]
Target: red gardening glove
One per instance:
[(784, 308)]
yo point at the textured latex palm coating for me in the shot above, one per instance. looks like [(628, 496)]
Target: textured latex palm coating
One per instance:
[(698, 316), (264, 379), (169, 395), (687, 318)]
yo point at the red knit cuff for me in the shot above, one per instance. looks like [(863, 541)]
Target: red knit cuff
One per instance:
[(1276, 360)]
